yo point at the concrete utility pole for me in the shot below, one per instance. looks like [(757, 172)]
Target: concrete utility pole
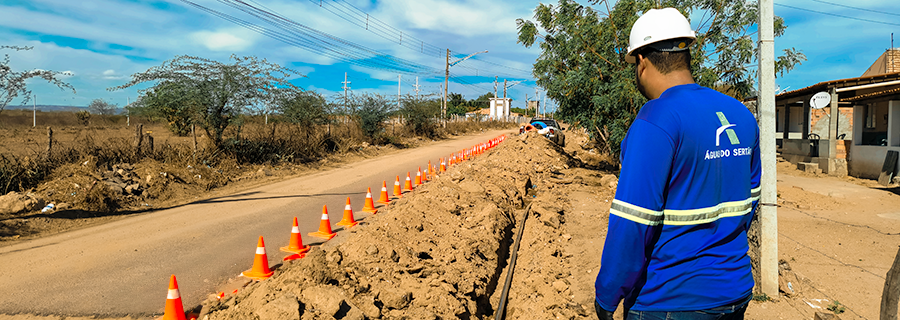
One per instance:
[(128, 112), (446, 83), (447, 80), (345, 87), (399, 78), (768, 210), (417, 88), (504, 88)]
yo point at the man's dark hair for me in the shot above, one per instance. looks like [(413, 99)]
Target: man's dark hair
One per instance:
[(667, 62)]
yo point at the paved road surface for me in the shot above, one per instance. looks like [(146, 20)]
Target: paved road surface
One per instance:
[(123, 267)]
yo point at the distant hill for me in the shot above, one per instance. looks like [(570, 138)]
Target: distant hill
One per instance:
[(51, 108), (47, 108)]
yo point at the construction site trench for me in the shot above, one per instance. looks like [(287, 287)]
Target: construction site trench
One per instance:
[(443, 251)]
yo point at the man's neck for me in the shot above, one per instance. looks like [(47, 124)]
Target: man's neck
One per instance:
[(673, 79)]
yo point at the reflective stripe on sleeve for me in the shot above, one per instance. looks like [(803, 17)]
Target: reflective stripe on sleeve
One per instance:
[(754, 193), (635, 213)]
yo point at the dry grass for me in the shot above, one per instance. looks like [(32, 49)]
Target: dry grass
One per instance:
[(25, 162)]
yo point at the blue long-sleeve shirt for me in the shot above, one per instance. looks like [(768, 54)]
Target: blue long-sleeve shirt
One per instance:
[(687, 191)]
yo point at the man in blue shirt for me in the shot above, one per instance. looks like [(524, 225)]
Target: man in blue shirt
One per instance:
[(690, 180)]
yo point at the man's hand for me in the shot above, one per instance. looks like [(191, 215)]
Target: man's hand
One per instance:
[(602, 314)]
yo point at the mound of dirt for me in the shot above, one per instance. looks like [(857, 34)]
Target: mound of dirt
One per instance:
[(437, 253)]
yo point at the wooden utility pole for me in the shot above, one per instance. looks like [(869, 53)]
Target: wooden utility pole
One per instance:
[(34, 112), (891, 293), (49, 142), (194, 135), (768, 209), (138, 140)]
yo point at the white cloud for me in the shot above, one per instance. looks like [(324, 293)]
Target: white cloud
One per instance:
[(225, 40)]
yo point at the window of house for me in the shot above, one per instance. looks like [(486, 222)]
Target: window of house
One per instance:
[(870, 116)]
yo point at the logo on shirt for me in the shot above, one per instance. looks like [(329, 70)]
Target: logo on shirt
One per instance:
[(726, 128)]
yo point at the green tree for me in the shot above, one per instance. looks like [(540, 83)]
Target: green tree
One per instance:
[(178, 104), (222, 90), (12, 83), (582, 62), (306, 108), (482, 102)]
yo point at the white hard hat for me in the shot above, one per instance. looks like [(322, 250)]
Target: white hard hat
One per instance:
[(659, 25)]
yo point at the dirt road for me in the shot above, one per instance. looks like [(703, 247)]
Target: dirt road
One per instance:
[(123, 267)]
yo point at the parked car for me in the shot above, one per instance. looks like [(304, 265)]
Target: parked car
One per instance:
[(546, 127)]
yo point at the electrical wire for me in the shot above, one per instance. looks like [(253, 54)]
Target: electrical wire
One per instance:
[(310, 44), (857, 8), (838, 15), (360, 18)]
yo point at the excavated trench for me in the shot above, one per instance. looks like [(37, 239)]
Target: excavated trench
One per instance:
[(440, 252)]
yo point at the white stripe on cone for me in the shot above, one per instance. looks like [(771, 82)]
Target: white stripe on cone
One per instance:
[(295, 229), (324, 216), (384, 188), (347, 208), (260, 250), (173, 294)]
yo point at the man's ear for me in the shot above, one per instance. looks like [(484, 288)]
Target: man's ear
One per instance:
[(639, 62)]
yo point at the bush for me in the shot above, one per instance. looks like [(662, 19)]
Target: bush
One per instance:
[(371, 111), (421, 115), (83, 117)]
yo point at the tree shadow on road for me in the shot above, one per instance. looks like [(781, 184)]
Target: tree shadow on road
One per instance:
[(247, 197)]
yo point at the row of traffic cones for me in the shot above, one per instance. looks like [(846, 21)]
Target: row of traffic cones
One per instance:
[(296, 249)]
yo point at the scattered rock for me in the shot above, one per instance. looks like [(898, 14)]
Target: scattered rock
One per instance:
[(559, 286), (326, 300), (609, 181), (395, 299), (14, 203), (285, 307)]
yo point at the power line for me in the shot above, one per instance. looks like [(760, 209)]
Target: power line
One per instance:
[(838, 15), (857, 8), (319, 42), (360, 18)]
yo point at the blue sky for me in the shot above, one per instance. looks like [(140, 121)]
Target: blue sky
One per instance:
[(103, 42)]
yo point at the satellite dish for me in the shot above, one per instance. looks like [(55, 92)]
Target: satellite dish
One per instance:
[(820, 100)]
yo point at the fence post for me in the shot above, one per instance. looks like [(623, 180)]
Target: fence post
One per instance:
[(150, 143), (49, 142), (138, 140), (891, 293), (194, 135)]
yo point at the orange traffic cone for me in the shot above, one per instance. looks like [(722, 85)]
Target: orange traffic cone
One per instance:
[(260, 270), (408, 185), (348, 220), (419, 177), (324, 226), (428, 171), (443, 166), (384, 196), (370, 204), (174, 307), (295, 245), (397, 191)]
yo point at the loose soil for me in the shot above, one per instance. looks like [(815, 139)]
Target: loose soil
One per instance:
[(443, 251)]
